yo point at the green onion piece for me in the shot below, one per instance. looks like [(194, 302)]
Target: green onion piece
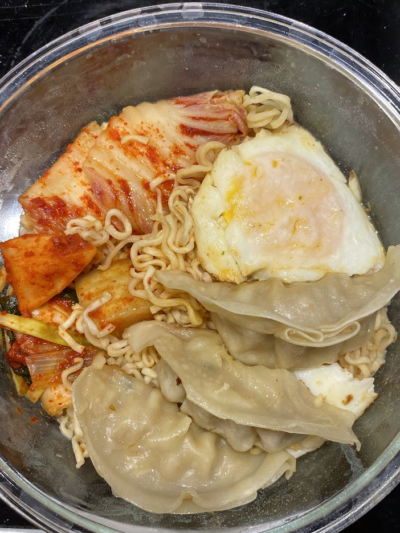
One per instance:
[(69, 294), (9, 304), (24, 373), (41, 330)]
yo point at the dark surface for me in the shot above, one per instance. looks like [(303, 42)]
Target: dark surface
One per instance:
[(369, 26)]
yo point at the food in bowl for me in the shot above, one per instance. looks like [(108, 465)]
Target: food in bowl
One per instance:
[(203, 299)]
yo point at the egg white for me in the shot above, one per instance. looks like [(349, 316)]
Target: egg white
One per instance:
[(337, 386), (278, 206)]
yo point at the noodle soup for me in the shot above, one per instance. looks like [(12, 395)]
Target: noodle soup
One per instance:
[(203, 299)]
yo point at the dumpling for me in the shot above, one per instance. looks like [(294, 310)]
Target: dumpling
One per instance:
[(249, 395), (321, 313), (241, 438), (156, 458), (254, 348)]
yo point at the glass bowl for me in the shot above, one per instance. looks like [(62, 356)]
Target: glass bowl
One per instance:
[(179, 49)]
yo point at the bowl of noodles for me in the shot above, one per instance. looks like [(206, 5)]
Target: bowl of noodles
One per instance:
[(200, 273)]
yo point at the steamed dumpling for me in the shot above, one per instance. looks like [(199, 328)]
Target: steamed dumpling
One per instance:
[(254, 348), (240, 437), (155, 457), (253, 396), (321, 313)]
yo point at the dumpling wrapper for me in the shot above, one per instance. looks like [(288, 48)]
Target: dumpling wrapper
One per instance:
[(250, 395), (253, 348), (322, 313), (241, 438), (170, 384), (155, 457)]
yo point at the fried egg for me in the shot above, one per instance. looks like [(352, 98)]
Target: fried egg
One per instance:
[(278, 206)]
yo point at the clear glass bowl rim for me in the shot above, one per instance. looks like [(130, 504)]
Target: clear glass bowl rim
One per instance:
[(377, 481)]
